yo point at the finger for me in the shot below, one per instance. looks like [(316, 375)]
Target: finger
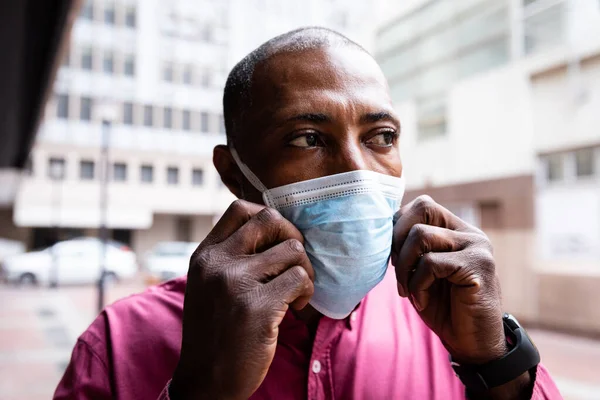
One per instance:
[(467, 269), (420, 240), (274, 261), (294, 287), (423, 210), (236, 215), (265, 229)]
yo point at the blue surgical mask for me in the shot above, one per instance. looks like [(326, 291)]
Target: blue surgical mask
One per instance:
[(347, 223)]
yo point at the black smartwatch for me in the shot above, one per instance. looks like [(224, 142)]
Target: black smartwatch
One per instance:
[(522, 356)]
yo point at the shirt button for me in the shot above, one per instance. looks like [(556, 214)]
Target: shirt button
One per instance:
[(353, 316), (316, 366)]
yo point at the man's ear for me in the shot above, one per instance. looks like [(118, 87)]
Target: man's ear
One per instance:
[(228, 170)]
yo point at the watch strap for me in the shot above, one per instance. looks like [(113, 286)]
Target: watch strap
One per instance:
[(522, 357)]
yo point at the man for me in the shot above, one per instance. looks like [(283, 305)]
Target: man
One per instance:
[(313, 135)]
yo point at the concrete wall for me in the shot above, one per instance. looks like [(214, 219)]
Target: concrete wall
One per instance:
[(570, 302), (489, 133)]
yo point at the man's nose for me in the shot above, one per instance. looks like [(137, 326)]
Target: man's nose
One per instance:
[(348, 157)]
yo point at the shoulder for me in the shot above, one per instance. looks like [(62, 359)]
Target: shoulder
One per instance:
[(152, 315)]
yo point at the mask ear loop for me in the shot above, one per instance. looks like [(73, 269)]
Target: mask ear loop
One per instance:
[(253, 179)]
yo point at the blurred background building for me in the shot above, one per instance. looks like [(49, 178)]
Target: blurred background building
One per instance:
[(162, 66), (500, 101)]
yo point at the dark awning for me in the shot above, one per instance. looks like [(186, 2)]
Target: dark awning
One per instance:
[(33, 35)]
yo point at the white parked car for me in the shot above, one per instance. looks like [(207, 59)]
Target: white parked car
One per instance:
[(168, 260), (72, 261)]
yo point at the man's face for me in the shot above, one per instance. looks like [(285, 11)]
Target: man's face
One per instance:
[(315, 113)]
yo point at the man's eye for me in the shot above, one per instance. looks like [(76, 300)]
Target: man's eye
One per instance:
[(308, 140), (384, 139)]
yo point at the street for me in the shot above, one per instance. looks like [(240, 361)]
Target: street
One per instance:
[(38, 327)]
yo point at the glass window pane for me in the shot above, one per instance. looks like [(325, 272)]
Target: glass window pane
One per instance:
[(431, 117), (85, 110), (148, 120), (87, 11), (86, 170), (172, 175), (221, 124), (186, 120), (62, 106), (108, 63), (119, 172), (129, 68), (147, 173), (168, 72), (197, 177), (168, 117), (555, 168), (205, 79), (130, 17), (584, 162), (187, 75), (128, 113), (56, 168), (87, 58), (109, 13), (204, 122)]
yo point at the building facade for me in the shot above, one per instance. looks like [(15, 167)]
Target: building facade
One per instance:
[(498, 102), (162, 67)]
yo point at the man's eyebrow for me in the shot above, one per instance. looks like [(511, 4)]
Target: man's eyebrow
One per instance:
[(379, 116), (310, 117)]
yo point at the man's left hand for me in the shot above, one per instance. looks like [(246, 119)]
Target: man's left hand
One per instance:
[(445, 267)]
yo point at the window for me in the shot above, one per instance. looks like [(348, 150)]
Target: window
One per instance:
[(62, 106), (119, 172), (85, 110), (186, 120), (56, 168), (130, 17), (221, 124), (204, 122), (168, 72), (168, 117), (205, 78), (431, 117), (129, 67), (148, 120), (187, 75), (86, 170), (147, 173), (128, 113), (172, 175), (197, 177), (584, 163), (555, 169), (109, 13), (206, 33), (108, 63), (66, 59), (87, 11), (87, 59)]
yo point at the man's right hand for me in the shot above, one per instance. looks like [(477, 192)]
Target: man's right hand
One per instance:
[(241, 281)]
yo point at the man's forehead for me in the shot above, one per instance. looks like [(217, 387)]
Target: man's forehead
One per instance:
[(321, 67), (339, 71)]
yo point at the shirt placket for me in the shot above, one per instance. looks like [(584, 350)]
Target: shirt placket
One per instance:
[(320, 379)]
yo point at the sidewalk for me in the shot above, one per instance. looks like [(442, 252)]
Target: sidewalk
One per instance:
[(39, 326)]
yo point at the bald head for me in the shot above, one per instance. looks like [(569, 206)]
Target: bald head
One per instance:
[(237, 97)]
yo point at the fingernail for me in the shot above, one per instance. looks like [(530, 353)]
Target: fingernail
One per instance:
[(416, 303), (401, 290)]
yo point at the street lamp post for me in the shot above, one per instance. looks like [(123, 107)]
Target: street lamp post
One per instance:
[(106, 111), (57, 174)]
